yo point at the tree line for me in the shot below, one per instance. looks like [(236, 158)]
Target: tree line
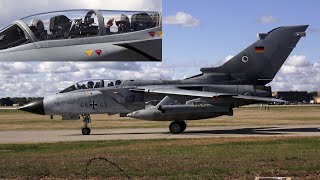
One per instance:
[(8, 101)]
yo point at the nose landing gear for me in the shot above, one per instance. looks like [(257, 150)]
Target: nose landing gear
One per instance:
[(86, 120)]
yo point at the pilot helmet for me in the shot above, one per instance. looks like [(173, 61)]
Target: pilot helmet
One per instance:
[(90, 84), (124, 18), (38, 24)]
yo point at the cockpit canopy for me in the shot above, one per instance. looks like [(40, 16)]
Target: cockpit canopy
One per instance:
[(76, 24), (79, 23), (92, 84)]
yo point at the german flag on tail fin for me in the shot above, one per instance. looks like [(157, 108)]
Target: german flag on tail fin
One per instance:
[(260, 49)]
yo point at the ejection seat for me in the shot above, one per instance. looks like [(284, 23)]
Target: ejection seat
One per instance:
[(88, 28), (38, 30), (142, 21), (60, 27)]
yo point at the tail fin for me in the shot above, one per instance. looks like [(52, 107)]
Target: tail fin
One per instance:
[(259, 63)]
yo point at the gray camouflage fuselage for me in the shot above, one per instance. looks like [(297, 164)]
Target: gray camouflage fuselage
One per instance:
[(119, 99), (214, 92)]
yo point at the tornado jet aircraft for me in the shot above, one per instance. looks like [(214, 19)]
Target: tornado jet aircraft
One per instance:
[(84, 35), (213, 93)]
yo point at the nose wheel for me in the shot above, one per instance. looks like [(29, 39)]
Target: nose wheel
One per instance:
[(86, 120), (177, 127), (86, 131)]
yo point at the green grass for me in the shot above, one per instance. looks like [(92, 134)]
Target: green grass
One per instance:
[(277, 115), (11, 111), (214, 158)]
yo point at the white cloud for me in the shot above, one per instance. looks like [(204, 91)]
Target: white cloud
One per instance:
[(228, 58), (2, 4), (49, 78), (297, 60), (297, 73), (267, 19), (182, 19), (224, 60), (40, 79), (56, 67), (7, 69)]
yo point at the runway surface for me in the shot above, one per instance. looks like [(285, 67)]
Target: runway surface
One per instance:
[(42, 136)]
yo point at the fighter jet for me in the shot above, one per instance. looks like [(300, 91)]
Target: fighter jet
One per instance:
[(213, 93), (84, 35)]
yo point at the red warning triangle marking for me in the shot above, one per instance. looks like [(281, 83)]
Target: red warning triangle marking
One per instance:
[(99, 52), (152, 34)]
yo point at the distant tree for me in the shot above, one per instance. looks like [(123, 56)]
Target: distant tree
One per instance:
[(313, 94), (6, 101), (17, 100)]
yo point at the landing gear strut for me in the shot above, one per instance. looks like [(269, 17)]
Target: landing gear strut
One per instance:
[(177, 127), (85, 129)]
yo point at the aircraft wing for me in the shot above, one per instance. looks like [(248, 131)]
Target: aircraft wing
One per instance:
[(172, 90), (259, 99)]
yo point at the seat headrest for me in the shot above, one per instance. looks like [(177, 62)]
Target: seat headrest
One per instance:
[(38, 24), (60, 20)]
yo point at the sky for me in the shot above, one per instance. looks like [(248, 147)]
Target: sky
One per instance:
[(202, 33)]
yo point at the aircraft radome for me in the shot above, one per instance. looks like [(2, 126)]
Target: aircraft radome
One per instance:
[(213, 93), (84, 35)]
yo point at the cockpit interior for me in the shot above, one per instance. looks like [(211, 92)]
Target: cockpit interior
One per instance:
[(92, 84), (76, 24)]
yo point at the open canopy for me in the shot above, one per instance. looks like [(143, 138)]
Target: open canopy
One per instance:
[(92, 84), (76, 24)]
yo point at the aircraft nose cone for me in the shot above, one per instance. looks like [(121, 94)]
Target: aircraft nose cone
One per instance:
[(35, 107)]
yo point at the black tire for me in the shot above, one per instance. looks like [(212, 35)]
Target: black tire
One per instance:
[(184, 126), (86, 131), (175, 127)]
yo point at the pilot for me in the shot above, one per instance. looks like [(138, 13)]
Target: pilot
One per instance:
[(37, 27), (110, 84), (118, 82), (108, 25), (123, 25), (83, 86), (90, 84), (97, 85)]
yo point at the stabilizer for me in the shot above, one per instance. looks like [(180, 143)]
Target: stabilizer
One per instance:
[(259, 63)]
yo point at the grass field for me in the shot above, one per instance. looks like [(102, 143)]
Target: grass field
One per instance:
[(279, 115), (216, 158), (212, 158)]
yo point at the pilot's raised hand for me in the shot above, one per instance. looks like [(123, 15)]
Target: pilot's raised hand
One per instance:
[(110, 23)]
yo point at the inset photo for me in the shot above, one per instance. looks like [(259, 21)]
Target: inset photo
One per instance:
[(67, 31)]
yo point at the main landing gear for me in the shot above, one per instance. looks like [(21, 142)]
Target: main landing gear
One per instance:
[(177, 127), (86, 121)]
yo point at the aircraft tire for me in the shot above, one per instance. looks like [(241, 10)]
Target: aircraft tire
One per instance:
[(176, 127), (86, 131), (184, 126)]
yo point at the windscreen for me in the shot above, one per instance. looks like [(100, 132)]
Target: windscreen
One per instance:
[(63, 25), (12, 36), (92, 84)]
